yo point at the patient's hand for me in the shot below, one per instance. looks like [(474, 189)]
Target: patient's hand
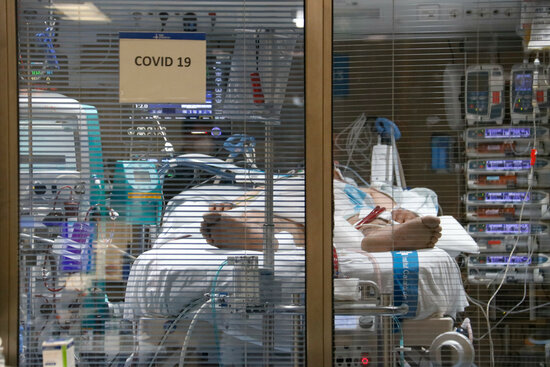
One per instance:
[(402, 215)]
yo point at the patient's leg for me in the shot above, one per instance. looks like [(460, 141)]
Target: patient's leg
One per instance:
[(417, 233), (224, 228)]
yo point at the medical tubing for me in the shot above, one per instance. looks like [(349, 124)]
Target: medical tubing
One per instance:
[(401, 341), (354, 141), (173, 324), (346, 168), (189, 331), (509, 312), (213, 304)]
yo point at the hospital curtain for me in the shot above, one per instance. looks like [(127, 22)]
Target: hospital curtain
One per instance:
[(161, 214), (426, 111)]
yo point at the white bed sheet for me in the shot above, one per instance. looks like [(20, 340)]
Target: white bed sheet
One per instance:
[(181, 266)]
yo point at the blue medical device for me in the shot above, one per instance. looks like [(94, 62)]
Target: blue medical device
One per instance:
[(385, 128), (137, 192)]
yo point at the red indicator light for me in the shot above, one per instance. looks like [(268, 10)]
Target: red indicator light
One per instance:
[(540, 96), (493, 242), (496, 97), (364, 361)]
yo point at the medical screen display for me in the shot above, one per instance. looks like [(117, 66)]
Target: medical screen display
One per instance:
[(508, 164), (509, 197), (511, 132), (168, 109), (142, 176), (503, 260), (478, 82), (508, 228), (523, 82)]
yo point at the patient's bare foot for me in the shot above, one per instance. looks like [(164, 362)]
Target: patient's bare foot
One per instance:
[(417, 233), (244, 230), (223, 230)]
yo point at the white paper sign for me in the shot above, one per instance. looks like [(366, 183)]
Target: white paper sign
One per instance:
[(162, 67)]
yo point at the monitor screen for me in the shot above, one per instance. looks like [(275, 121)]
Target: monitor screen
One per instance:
[(508, 164), (478, 81), (523, 82), (503, 260), (181, 110), (511, 197)]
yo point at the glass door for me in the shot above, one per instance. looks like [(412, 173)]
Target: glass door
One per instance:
[(162, 202), (440, 221)]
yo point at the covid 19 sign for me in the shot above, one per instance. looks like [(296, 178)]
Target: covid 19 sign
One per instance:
[(162, 67)]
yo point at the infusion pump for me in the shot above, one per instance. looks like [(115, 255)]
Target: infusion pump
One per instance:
[(506, 173), (505, 141), (484, 90), (506, 205), (503, 236), (522, 267), (529, 90)]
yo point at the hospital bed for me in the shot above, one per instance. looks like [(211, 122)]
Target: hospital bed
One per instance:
[(165, 295)]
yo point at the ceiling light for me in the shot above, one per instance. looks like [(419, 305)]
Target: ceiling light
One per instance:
[(85, 12), (299, 20)]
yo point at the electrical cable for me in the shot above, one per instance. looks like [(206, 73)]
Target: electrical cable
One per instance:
[(190, 331), (356, 142), (173, 324), (508, 262), (346, 169), (213, 304)]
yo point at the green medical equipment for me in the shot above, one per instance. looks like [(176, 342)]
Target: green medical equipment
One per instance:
[(137, 192)]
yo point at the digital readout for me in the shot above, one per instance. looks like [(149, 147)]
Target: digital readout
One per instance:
[(508, 164), (503, 260), (510, 197), (511, 132), (508, 228)]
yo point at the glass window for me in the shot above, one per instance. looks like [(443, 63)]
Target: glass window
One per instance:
[(161, 183), (440, 117)]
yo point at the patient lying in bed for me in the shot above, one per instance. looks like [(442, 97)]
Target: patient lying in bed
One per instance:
[(240, 226), (183, 262)]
